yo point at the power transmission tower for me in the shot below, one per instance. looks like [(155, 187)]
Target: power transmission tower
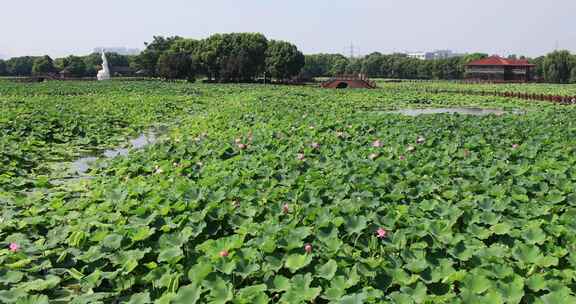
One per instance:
[(352, 50)]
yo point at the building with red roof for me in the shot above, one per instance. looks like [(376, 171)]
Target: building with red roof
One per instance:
[(496, 68)]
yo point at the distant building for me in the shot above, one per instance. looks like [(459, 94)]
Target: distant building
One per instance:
[(417, 55), (496, 68), (118, 50), (438, 54)]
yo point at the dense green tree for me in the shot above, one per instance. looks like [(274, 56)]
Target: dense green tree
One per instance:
[(43, 65), (176, 65), (539, 67), (557, 67), (242, 57), (354, 66), (472, 57), (283, 60), (323, 65), (3, 69), (184, 45), (20, 66), (209, 52), (338, 65), (74, 66), (148, 59), (573, 75), (372, 64)]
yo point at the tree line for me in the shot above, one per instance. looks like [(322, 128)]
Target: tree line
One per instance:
[(246, 57), (77, 66), (556, 67), (235, 57)]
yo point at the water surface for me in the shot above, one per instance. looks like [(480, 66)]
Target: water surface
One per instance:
[(453, 110)]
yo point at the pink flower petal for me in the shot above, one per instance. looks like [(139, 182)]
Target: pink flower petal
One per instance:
[(14, 247), (308, 248), (381, 233)]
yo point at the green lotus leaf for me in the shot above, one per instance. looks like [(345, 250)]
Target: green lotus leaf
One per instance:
[(10, 277), (170, 255), (296, 261), (199, 272), (189, 294), (252, 294), (33, 299), (526, 254), (501, 228), (328, 270), (300, 290), (562, 295), (112, 241), (537, 282), (337, 289), (140, 298), (357, 298)]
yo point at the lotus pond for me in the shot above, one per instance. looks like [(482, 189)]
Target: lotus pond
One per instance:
[(263, 194)]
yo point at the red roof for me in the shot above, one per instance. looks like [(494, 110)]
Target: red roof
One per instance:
[(499, 61)]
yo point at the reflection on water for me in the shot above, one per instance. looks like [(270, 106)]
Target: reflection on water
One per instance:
[(82, 165), (463, 111)]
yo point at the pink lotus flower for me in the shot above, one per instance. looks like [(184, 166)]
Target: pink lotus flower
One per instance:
[(373, 156), (420, 140), (242, 146), (402, 157), (224, 253), (410, 148), (14, 247), (377, 144), (300, 156), (515, 146), (381, 233), (285, 209), (308, 248), (315, 145)]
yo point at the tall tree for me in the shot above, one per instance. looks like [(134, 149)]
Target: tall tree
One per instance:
[(75, 66), (20, 66), (573, 75), (283, 59), (539, 67), (557, 66), (371, 65), (148, 59), (176, 65), (242, 57), (43, 65), (3, 69)]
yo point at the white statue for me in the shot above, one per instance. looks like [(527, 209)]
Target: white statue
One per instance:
[(104, 73)]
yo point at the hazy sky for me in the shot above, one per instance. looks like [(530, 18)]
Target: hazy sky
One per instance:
[(61, 27)]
